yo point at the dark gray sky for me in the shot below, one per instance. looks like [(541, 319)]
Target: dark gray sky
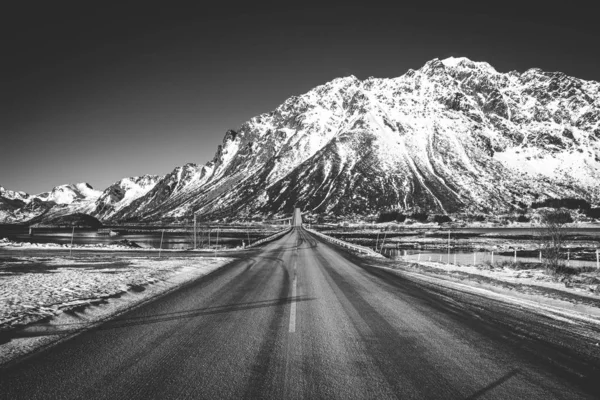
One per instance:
[(97, 93)]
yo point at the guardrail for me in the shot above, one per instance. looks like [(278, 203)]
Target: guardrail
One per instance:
[(355, 247), (270, 238)]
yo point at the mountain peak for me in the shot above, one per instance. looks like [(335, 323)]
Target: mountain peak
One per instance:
[(454, 61), (452, 136), (466, 63)]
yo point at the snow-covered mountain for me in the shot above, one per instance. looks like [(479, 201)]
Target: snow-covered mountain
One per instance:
[(12, 195), (123, 193), (454, 135), (61, 200), (10, 202), (70, 193), (73, 198)]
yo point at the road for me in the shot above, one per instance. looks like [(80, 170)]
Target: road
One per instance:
[(301, 318)]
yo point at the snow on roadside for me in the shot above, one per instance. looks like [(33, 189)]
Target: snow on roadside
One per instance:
[(528, 277), (8, 244), (35, 288)]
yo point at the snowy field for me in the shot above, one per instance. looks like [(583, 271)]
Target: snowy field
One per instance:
[(38, 288), (584, 284), (8, 244)]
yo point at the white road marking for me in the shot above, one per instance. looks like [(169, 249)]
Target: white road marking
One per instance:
[(293, 310)]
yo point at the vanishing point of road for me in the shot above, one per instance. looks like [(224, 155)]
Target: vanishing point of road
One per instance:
[(302, 318)]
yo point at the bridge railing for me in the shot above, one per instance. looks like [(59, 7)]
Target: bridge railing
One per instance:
[(355, 247), (270, 238)]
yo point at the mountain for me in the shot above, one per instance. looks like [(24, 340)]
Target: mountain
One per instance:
[(167, 191), (455, 135), (123, 193), (61, 200), (79, 198), (11, 195), (68, 194)]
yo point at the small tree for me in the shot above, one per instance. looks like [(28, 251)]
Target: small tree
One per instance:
[(552, 236)]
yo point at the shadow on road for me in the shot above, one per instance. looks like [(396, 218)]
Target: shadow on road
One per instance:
[(59, 329), (494, 384)]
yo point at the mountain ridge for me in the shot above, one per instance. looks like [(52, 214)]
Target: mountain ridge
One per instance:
[(452, 136)]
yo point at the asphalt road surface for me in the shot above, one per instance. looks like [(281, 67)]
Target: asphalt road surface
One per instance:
[(301, 318)]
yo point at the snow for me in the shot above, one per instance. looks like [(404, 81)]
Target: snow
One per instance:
[(134, 188), (454, 61), (47, 286), (12, 195), (572, 312), (35, 288), (478, 153), (5, 243), (67, 194)]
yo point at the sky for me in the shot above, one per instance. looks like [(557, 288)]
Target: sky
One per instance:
[(95, 93)]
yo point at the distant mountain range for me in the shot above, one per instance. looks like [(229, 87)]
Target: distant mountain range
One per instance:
[(452, 136)]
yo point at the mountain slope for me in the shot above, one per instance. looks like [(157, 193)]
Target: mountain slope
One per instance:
[(122, 193), (61, 200), (454, 135)]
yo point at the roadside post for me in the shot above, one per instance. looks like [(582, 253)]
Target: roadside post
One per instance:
[(161, 241), (597, 259), (474, 258), (194, 231), (72, 236), (383, 242), (448, 247), (217, 245)]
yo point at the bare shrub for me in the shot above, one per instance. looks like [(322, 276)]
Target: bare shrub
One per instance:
[(552, 237)]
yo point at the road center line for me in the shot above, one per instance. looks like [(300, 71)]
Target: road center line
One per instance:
[(293, 310)]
